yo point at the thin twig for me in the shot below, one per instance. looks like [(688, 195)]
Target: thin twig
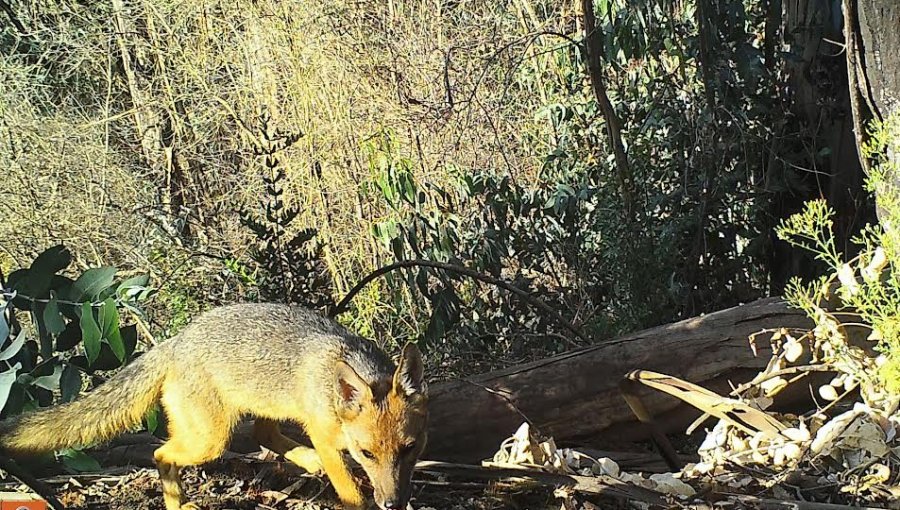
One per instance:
[(342, 305), (838, 399), (5, 7), (597, 485), (786, 371), (9, 295)]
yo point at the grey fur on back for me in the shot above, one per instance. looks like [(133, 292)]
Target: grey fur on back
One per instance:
[(289, 343)]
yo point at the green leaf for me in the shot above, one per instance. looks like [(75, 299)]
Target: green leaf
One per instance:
[(77, 460), (82, 364), (152, 419), (61, 284), (53, 319), (49, 382), (44, 368), (106, 360), (90, 333), (13, 348), (18, 400), (550, 203), (18, 280), (52, 260), (92, 282), (445, 306), (6, 383), (408, 187), (45, 339), (129, 338), (70, 383), (69, 338), (422, 281), (35, 281), (4, 326), (109, 325), (135, 289), (602, 8), (136, 282)]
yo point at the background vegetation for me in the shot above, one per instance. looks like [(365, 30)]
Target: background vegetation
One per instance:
[(244, 150)]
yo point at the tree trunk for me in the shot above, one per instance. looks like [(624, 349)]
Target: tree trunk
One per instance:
[(574, 397), (825, 160), (873, 66), (593, 48), (874, 26)]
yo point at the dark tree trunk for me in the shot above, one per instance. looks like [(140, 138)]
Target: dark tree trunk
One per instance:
[(593, 46), (818, 153)]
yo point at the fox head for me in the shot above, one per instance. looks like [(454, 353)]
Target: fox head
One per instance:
[(385, 425)]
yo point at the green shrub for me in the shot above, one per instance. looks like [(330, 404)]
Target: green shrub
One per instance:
[(57, 332), (862, 292)]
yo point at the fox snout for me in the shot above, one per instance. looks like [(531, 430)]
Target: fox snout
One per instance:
[(393, 490), (396, 502), (393, 504)]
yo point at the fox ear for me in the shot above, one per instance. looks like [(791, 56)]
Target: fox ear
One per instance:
[(352, 391), (409, 379)]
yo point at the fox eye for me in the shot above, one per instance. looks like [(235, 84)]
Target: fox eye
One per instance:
[(367, 454), (407, 448)]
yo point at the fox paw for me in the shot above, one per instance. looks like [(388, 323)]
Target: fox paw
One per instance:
[(314, 468), (306, 458), (190, 506)]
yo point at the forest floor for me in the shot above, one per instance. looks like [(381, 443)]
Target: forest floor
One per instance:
[(237, 485), (256, 481), (260, 481)]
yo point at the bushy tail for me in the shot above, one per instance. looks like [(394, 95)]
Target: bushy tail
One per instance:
[(111, 409)]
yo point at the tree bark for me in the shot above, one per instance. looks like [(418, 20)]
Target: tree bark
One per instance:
[(826, 162), (874, 25), (873, 67)]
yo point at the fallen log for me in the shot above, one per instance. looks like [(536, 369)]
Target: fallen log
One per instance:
[(574, 397)]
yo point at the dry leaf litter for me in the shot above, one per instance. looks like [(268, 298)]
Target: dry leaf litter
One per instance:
[(844, 451)]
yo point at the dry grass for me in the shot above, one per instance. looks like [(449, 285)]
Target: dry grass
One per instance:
[(346, 75)]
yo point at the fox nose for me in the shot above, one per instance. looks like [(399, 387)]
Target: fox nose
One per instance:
[(391, 504)]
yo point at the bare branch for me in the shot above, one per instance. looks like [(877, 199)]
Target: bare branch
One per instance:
[(341, 307), (593, 48)]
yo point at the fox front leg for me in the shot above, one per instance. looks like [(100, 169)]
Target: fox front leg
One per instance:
[(345, 485)]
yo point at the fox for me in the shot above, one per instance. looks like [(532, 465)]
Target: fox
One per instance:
[(275, 363)]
